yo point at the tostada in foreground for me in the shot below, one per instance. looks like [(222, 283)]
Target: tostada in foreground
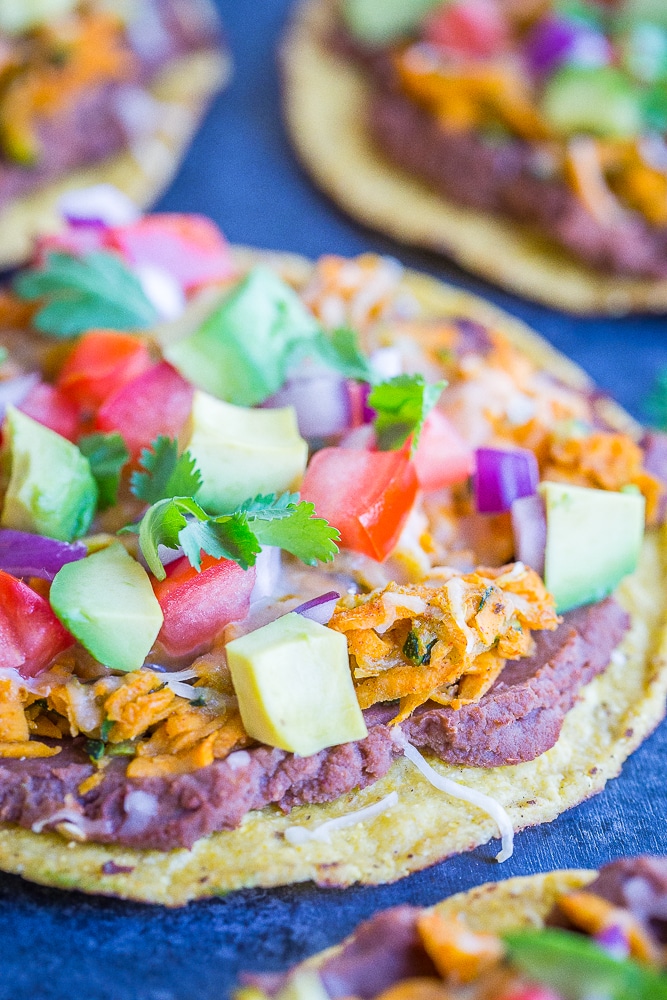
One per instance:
[(100, 91), (309, 571), (564, 935), (524, 140)]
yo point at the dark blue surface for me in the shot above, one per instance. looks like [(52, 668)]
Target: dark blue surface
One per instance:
[(57, 945)]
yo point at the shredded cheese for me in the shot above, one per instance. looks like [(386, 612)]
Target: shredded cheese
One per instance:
[(459, 791), (299, 835)]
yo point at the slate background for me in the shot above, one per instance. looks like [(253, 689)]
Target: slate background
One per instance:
[(57, 945)]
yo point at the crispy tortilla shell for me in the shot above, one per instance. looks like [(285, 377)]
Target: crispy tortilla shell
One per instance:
[(615, 714), (326, 100), (184, 88)]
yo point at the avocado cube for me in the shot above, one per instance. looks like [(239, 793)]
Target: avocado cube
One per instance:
[(241, 452), (107, 602), (594, 539), (378, 22), (240, 353), (18, 16), (51, 488), (294, 686), (599, 100)]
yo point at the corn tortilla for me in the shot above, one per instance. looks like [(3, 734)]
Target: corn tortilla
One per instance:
[(615, 714), (184, 89), (326, 100)]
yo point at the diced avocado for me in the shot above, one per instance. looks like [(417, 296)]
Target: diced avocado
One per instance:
[(240, 353), (594, 538), (51, 488), (241, 452), (17, 16), (598, 100), (107, 602), (294, 686), (378, 22), (654, 11)]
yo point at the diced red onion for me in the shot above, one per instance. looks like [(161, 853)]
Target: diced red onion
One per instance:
[(14, 390), (501, 477), (359, 438), (99, 204), (556, 40), (321, 401), (162, 289), (320, 609), (614, 941), (529, 525), (267, 573), (22, 554), (368, 413)]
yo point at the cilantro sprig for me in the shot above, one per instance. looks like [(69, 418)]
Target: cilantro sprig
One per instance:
[(402, 404), (107, 454), (178, 521), (96, 290)]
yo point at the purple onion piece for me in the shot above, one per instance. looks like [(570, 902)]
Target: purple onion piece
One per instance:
[(557, 40), (320, 609), (529, 525), (368, 414), (322, 404), (501, 477), (614, 941), (14, 390), (22, 554), (267, 573), (100, 205)]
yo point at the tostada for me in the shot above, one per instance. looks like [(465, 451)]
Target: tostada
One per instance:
[(97, 92), (564, 935), (309, 571), (526, 141)]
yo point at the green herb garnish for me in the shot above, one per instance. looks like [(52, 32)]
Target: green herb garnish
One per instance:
[(165, 474), (107, 455), (402, 405), (577, 968), (95, 291)]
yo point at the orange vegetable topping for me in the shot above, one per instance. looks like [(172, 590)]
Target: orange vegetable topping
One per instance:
[(593, 914), (459, 954)]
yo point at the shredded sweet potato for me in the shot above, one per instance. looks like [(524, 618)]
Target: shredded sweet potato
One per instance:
[(416, 988), (355, 292), (459, 954), (138, 704), (13, 721), (27, 748), (412, 641)]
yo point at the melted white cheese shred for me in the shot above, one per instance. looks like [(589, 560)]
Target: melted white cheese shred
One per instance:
[(299, 835), (459, 791)]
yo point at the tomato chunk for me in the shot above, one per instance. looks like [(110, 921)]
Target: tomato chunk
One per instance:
[(30, 634), (101, 362), (442, 457), (367, 495), (190, 248), (49, 406), (196, 606), (156, 402), (474, 28)]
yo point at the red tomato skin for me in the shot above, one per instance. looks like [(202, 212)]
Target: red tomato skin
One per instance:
[(367, 495), (101, 362), (158, 401), (189, 247), (197, 606), (30, 634), (49, 406), (474, 28), (442, 457)]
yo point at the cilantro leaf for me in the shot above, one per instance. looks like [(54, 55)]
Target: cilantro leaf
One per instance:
[(226, 537), (81, 293), (107, 455), (339, 350), (165, 474), (310, 539), (264, 520), (402, 405)]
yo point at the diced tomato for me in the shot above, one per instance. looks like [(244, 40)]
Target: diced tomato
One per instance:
[(442, 457), (190, 248), (30, 634), (470, 28), (101, 362), (156, 402), (49, 406), (531, 993), (196, 606), (367, 495)]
